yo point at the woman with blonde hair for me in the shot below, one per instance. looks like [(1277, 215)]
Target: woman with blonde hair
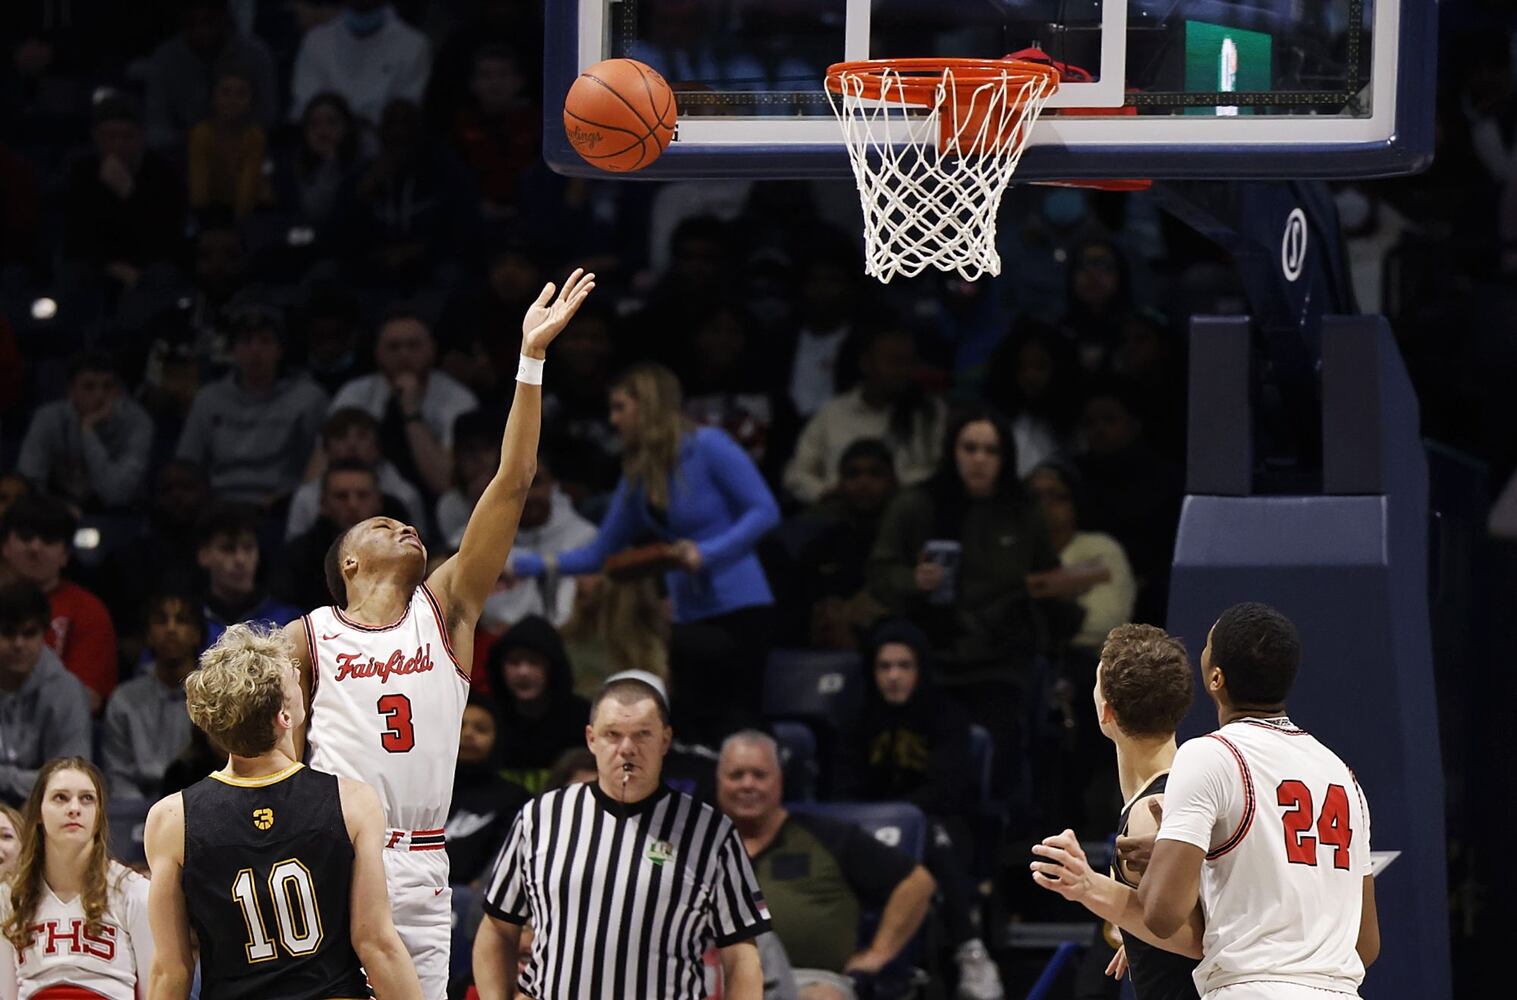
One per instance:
[(73, 920), (697, 493)]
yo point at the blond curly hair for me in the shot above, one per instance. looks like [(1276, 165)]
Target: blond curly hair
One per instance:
[(239, 689)]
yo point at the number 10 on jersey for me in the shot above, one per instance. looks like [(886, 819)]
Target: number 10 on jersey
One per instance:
[(297, 916)]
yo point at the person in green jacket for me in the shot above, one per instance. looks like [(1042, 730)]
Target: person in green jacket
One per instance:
[(953, 555)]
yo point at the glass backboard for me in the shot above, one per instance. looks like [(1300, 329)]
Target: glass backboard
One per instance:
[(1166, 88)]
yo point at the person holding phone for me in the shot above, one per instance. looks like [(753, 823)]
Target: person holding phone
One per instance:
[(953, 555)]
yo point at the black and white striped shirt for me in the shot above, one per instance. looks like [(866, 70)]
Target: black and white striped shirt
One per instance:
[(624, 898)]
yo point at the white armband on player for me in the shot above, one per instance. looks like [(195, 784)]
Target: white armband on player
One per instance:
[(529, 371)]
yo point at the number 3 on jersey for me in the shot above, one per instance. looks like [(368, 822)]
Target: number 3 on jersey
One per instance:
[(1332, 825), (398, 736)]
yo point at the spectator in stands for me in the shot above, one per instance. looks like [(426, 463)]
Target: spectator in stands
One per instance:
[(10, 839), (328, 321), (351, 435), (813, 369), (499, 133), (254, 429), (1035, 378), (180, 73), (615, 625), (44, 710), (573, 767), (973, 500), (124, 206), (350, 493), (37, 533), (189, 342), (404, 212), (696, 490), (1132, 493), (226, 541), (227, 148), (910, 743), (146, 726), (818, 875), (953, 555), (723, 375), (575, 405), (415, 404), (13, 486), (162, 557), (368, 55), (308, 178), (484, 805), (540, 715), (549, 523), (1100, 300), (1093, 568), (887, 404), (702, 277), (481, 319), (476, 455), (823, 552), (1152, 357), (90, 448)]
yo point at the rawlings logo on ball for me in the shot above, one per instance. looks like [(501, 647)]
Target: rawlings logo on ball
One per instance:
[(584, 138)]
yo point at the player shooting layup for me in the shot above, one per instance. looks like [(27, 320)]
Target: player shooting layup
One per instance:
[(385, 668)]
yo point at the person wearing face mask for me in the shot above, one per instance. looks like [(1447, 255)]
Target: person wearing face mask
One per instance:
[(43, 709), (484, 804), (368, 55), (146, 726), (540, 714), (73, 920), (953, 555)]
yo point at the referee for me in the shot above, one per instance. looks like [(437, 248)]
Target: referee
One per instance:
[(624, 880)]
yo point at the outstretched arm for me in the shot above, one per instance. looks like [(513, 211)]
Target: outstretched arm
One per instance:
[(464, 582)]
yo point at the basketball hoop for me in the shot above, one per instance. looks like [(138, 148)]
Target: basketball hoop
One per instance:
[(933, 144)]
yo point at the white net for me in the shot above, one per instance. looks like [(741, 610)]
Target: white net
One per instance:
[(932, 163)]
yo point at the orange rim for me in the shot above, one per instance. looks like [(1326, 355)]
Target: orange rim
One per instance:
[(915, 81)]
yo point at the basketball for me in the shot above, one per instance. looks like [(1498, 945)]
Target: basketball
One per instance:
[(619, 115)]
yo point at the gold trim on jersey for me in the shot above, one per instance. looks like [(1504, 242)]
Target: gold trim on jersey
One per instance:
[(263, 782)]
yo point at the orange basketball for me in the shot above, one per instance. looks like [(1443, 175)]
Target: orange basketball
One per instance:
[(619, 115)]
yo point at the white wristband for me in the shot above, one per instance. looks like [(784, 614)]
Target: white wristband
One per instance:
[(530, 370)]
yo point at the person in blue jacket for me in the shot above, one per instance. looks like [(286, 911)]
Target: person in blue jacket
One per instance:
[(695, 488)]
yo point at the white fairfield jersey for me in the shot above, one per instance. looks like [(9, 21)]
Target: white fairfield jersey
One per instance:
[(68, 959), (387, 708), (1287, 836)]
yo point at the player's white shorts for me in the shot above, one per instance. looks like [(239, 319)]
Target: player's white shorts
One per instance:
[(422, 905), (1273, 990)]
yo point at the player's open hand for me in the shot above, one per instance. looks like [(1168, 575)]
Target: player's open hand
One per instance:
[(1134, 852), (1117, 967), (547, 317), (1066, 870)]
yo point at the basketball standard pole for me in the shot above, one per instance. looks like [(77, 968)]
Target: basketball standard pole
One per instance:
[(1345, 557)]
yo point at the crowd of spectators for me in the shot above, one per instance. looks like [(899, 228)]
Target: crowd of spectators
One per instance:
[(262, 268)]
